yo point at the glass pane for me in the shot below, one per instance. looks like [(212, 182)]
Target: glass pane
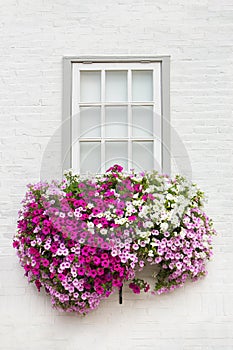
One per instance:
[(90, 157), (116, 153), (90, 86), (142, 85), (116, 122), (116, 86), (142, 120), (90, 122), (143, 156)]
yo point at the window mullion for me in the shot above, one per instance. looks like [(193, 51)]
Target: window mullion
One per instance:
[(96, 104), (130, 165), (75, 119), (157, 127), (103, 126)]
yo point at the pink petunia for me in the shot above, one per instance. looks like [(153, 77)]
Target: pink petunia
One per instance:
[(105, 263), (81, 271), (45, 262), (61, 277), (132, 218)]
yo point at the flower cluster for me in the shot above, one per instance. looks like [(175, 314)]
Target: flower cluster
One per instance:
[(81, 239)]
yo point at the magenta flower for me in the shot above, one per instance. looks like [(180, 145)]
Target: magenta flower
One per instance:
[(132, 218), (61, 277), (96, 260), (38, 285), (45, 262), (105, 263), (81, 271)]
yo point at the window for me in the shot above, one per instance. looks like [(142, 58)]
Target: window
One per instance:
[(114, 112)]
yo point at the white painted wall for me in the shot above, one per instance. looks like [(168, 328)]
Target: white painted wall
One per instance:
[(198, 34)]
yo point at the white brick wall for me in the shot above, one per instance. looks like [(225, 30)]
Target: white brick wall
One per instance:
[(198, 34)]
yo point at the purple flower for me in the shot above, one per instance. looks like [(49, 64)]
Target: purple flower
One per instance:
[(81, 271), (61, 277), (105, 263), (135, 288)]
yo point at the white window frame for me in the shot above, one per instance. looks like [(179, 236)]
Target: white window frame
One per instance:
[(160, 103)]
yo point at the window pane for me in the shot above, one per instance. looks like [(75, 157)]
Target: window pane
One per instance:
[(116, 122), (142, 85), (143, 156), (116, 153), (116, 86), (90, 157), (90, 86), (142, 120), (90, 122)]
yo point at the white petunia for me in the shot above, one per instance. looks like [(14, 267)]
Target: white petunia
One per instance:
[(90, 224), (169, 197), (90, 205), (103, 231), (182, 233), (151, 253), (164, 226), (202, 255)]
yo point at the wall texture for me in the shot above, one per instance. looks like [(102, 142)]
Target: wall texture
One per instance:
[(198, 34)]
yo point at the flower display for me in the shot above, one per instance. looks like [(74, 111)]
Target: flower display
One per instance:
[(83, 238)]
